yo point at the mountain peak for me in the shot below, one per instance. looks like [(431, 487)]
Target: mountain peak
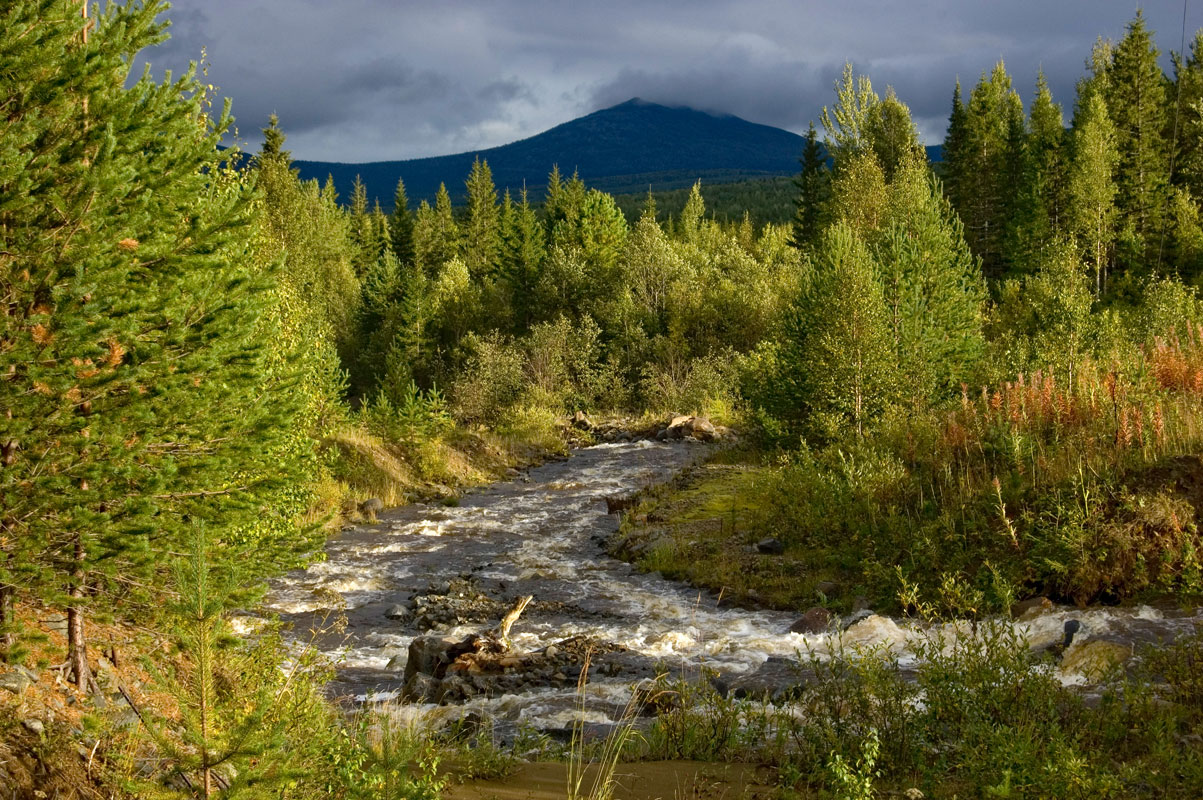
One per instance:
[(627, 147)]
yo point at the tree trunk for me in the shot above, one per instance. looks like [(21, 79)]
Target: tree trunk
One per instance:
[(7, 638), (77, 648)]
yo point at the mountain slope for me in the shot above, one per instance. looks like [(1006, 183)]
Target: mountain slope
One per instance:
[(619, 149)]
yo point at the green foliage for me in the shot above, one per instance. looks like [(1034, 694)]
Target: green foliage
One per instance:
[(838, 345), (141, 397)]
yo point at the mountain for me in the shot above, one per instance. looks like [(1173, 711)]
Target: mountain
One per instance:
[(625, 148)]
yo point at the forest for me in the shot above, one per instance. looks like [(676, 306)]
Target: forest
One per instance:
[(958, 389)]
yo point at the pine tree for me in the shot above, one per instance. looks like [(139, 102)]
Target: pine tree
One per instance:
[(137, 395), (1092, 188), (932, 288), (814, 192), (838, 350), (401, 226)]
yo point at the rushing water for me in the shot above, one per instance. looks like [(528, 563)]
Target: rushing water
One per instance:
[(542, 534)]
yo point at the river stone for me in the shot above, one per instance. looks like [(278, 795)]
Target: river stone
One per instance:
[(1094, 659), (420, 688), (1030, 608), (815, 620), (770, 547), (429, 655), (397, 612)]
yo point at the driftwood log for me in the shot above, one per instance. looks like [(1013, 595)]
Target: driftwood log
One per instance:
[(483, 651)]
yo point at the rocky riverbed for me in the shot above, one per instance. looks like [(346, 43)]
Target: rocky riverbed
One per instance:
[(409, 589)]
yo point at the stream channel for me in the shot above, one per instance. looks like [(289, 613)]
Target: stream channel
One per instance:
[(425, 570)]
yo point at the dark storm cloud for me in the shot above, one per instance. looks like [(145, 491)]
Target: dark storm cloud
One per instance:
[(379, 79)]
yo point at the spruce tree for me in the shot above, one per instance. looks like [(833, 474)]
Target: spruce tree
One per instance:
[(953, 166), (401, 226), (137, 400), (482, 227), (814, 191), (981, 178), (1137, 107), (522, 254)]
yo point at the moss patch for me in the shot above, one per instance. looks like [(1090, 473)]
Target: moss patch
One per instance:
[(703, 528)]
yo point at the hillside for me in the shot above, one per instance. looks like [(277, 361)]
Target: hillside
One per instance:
[(626, 148)]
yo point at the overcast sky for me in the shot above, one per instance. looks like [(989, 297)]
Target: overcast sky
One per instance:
[(373, 80)]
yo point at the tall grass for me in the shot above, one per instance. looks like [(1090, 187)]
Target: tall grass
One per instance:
[(1079, 486)]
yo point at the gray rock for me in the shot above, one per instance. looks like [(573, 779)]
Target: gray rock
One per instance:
[(581, 422), (34, 726), (855, 617), (15, 682), (420, 688), (397, 612), (56, 623), (815, 620), (371, 507), (770, 547), (827, 588)]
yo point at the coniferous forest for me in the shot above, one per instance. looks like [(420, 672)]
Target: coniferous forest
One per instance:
[(957, 388)]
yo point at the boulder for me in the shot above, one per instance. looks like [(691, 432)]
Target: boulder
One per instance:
[(431, 655), (397, 612), (770, 547), (581, 422), (1032, 607), (1094, 659), (693, 427), (815, 620), (420, 688), (56, 623), (371, 507), (15, 682)]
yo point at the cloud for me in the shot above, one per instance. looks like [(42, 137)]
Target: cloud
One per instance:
[(379, 79)]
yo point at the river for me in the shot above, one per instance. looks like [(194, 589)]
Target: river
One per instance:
[(453, 569)]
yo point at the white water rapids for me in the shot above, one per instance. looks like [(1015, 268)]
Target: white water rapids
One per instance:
[(541, 534)]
